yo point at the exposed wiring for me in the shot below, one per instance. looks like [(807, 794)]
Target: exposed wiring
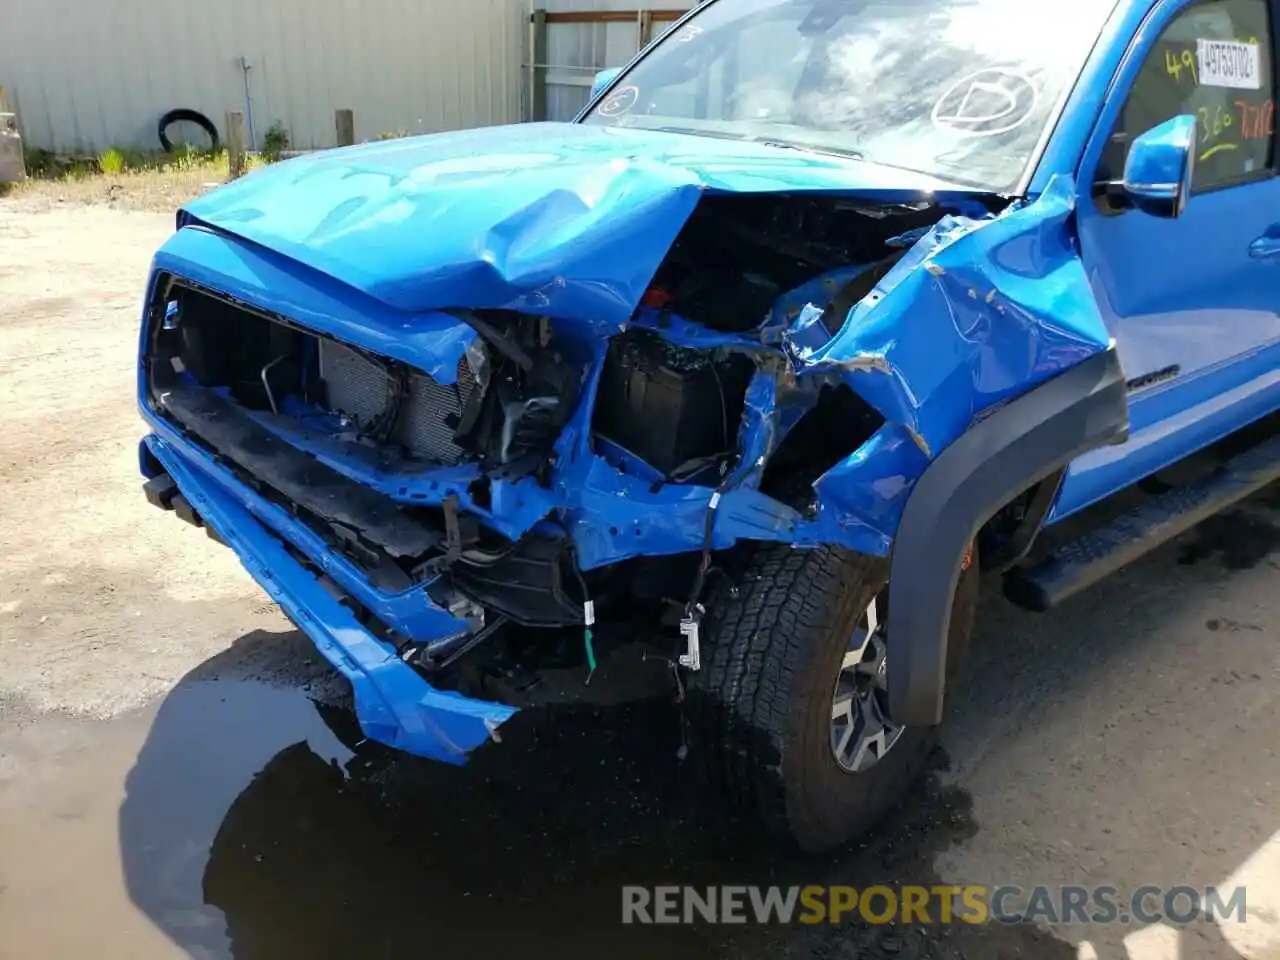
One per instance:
[(704, 564), (724, 407), (588, 611), (690, 467), (588, 620)]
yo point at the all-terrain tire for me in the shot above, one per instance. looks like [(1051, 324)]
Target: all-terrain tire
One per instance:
[(761, 704)]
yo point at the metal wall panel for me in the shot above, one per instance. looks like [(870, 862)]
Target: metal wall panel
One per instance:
[(84, 75)]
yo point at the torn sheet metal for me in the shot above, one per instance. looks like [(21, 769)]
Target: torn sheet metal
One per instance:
[(393, 702), (974, 314)]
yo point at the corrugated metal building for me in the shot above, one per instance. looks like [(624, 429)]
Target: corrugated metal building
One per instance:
[(86, 75)]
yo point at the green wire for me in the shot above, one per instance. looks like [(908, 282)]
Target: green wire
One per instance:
[(591, 652)]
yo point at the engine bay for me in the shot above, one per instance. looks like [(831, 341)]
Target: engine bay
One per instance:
[(536, 468), (739, 255)]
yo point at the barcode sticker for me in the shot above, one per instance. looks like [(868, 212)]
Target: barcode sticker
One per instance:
[(1228, 63)]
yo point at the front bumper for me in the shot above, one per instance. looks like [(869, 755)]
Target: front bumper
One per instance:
[(394, 703)]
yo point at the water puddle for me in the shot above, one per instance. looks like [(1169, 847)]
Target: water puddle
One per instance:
[(241, 823)]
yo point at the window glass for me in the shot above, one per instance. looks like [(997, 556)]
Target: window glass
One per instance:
[(730, 86), (961, 90), (1213, 62)]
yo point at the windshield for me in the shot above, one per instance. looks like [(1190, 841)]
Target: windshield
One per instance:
[(961, 90)]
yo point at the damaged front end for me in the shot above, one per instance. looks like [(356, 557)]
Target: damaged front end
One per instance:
[(437, 470)]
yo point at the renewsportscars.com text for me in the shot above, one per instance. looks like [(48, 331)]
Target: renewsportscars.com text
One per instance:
[(1008, 904)]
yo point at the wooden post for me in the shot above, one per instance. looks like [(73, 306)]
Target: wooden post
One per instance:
[(644, 28), (344, 121), (13, 166), (538, 106), (235, 143)]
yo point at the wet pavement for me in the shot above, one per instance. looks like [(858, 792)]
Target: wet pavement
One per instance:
[(247, 826), (1129, 737)]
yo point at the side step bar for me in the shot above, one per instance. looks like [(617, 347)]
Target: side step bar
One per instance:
[(1104, 550)]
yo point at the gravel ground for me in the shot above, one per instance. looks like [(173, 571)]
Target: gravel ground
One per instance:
[(168, 787), (102, 608)]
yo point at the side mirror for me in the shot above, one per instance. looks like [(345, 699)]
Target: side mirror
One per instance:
[(603, 79), (1157, 173)]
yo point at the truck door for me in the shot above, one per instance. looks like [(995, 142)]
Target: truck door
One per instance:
[(1193, 302)]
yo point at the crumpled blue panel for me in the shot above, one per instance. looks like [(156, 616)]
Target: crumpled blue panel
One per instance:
[(431, 341), (758, 434), (394, 704), (613, 515), (618, 516), (976, 313), (817, 291), (861, 499), (565, 220), (685, 333)]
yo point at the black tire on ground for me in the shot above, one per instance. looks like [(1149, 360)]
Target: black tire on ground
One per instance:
[(761, 704), (191, 116)]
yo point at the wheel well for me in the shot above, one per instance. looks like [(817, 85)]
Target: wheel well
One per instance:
[(837, 425), (1011, 532), (1035, 436)]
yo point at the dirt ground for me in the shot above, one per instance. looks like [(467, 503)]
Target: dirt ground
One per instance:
[(159, 189), (168, 785), (102, 607)]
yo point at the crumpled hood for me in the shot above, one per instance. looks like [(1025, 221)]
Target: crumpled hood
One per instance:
[(562, 219)]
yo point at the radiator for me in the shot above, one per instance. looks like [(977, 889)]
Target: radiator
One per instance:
[(358, 388)]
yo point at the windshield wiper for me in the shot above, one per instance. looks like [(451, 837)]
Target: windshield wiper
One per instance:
[(805, 148), (718, 134), (765, 141)]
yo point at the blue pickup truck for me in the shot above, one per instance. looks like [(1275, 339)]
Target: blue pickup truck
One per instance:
[(818, 312)]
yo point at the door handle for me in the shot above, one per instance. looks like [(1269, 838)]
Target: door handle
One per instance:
[(1264, 247)]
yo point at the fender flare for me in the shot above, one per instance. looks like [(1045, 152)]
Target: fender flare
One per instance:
[(1018, 445)]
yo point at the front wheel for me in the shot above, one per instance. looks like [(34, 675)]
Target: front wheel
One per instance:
[(791, 714)]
